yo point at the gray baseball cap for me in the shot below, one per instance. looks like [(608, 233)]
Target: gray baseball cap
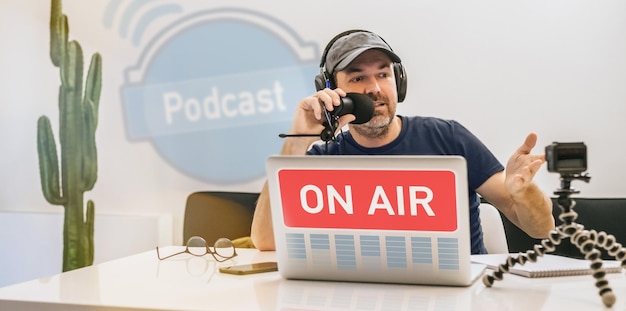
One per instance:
[(347, 48)]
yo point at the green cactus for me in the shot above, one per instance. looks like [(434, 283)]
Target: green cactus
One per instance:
[(78, 119)]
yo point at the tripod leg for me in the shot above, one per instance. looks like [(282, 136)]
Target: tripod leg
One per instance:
[(586, 242), (547, 245), (609, 243)]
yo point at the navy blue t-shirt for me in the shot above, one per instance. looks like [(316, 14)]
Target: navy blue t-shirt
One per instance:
[(432, 136)]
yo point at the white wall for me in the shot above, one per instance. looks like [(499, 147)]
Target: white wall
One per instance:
[(32, 249), (502, 68)]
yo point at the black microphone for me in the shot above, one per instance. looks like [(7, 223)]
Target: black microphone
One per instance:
[(360, 105)]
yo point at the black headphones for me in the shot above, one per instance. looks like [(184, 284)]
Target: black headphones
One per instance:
[(324, 77)]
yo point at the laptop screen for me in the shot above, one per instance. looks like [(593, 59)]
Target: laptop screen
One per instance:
[(401, 219)]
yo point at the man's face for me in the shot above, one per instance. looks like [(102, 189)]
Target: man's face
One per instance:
[(371, 73)]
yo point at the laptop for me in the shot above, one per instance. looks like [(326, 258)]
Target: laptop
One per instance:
[(382, 219)]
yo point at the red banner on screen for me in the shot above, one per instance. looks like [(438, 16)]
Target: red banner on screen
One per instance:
[(369, 199)]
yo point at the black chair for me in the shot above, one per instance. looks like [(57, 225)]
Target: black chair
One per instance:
[(215, 214), (600, 214)]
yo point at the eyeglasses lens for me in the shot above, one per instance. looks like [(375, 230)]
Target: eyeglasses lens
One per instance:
[(197, 246), (224, 248)]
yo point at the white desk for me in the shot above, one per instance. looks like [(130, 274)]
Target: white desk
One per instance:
[(142, 282)]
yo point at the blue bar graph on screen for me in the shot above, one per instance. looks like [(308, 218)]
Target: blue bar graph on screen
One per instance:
[(320, 250), (422, 250), (371, 255), (349, 252), (295, 246), (370, 246), (396, 251), (346, 252), (448, 253)]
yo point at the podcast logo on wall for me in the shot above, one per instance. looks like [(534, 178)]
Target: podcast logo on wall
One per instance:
[(213, 88)]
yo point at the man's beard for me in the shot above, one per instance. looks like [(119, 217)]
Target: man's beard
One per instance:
[(378, 126)]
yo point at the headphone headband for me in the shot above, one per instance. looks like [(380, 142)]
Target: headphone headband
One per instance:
[(334, 39), (325, 78)]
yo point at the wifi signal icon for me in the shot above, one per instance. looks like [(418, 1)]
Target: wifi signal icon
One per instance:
[(138, 13)]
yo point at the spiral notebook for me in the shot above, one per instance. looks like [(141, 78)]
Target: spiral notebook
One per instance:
[(547, 266)]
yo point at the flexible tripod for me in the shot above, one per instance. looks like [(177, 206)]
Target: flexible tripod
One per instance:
[(587, 241)]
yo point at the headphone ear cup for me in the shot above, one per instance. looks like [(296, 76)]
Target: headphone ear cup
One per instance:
[(401, 81), (320, 82)]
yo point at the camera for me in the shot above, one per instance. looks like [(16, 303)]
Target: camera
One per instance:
[(567, 158)]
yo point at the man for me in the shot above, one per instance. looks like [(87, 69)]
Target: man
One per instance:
[(362, 62)]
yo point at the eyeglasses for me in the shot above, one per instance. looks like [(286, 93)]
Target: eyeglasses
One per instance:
[(223, 249)]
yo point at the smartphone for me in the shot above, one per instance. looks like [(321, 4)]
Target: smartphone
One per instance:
[(258, 267)]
